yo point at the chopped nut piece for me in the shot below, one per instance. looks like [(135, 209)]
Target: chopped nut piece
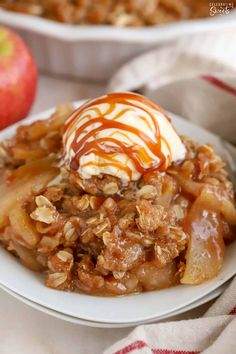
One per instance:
[(149, 216), (101, 228), (110, 204), (94, 202), (64, 256), (87, 236), (56, 280), (178, 211), (61, 261), (148, 191), (94, 220), (110, 188), (81, 203), (42, 201), (126, 221), (106, 237), (118, 275), (45, 211)]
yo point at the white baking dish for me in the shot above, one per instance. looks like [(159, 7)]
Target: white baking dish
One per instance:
[(96, 52)]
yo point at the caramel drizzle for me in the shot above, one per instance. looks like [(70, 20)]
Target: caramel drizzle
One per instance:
[(101, 147), (113, 99)]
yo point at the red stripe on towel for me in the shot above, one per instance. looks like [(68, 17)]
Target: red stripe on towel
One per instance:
[(233, 312), (220, 84), (166, 351), (136, 345), (141, 344)]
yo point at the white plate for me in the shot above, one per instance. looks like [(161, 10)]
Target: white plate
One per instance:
[(78, 321), (126, 309), (96, 52)]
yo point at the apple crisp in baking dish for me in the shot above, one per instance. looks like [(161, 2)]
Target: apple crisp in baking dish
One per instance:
[(112, 12)]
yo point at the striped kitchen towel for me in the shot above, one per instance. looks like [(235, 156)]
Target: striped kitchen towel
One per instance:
[(214, 333)]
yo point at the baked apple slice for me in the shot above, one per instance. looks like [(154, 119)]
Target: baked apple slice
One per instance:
[(24, 182), (23, 228), (153, 278), (205, 251), (28, 257)]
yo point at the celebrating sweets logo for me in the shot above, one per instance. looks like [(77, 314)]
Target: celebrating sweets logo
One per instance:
[(220, 8)]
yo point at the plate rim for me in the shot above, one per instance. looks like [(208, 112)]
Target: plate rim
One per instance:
[(75, 320)]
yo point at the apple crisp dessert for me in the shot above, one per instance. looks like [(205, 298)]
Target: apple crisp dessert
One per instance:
[(107, 199)]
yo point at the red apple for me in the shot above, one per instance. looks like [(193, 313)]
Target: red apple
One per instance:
[(18, 78)]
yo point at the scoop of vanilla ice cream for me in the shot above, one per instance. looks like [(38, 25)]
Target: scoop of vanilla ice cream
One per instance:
[(120, 134)]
